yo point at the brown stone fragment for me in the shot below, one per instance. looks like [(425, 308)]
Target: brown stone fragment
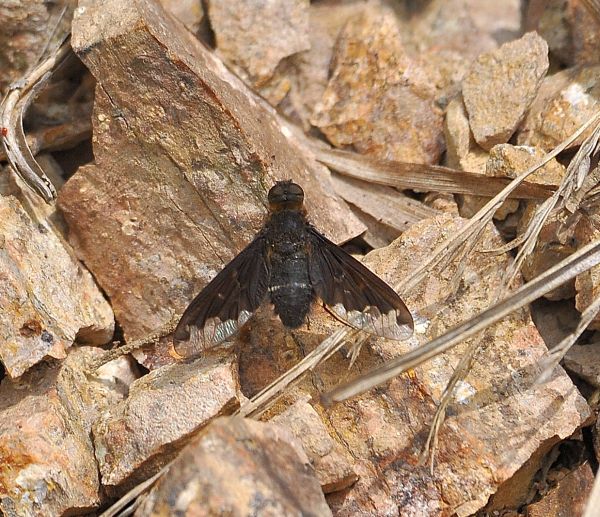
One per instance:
[(256, 35), (332, 463), (308, 72), (568, 498), (238, 467), (188, 12), (26, 25), (587, 284), (47, 299), (184, 157), (565, 101), (378, 100), (163, 411), (47, 464), (501, 86), (571, 28), (499, 419), (509, 161), (584, 361)]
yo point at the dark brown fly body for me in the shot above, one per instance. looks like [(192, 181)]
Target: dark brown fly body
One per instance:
[(291, 265)]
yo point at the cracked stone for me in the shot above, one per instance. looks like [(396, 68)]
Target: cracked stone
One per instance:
[(332, 463), (184, 157), (513, 73), (378, 100), (47, 299), (163, 411), (238, 467)]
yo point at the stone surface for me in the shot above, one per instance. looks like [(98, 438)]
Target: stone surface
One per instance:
[(47, 464), (25, 28), (188, 12), (464, 153), (308, 72), (238, 467), (378, 100), (501, 86), (568, 498), (164, 409), (509, 161), (47, 299), (498, 421), (571, 28), (565, 101), (584, 361), (256, 35), (587, 284), (332, 463), (184, 157)]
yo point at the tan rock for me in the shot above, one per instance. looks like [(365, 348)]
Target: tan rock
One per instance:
[(256, 35), (587, 284), (565, 101), (188, 12), (509, 161), (501, 86), (238, 467), (464, 153), (571, 28), (184, 156), (164, 409), (26, 25), (498, 401), (47, 299), (568, 497), (584, 361), (47, 464), (378, 100), (332, 463), (308, 71)]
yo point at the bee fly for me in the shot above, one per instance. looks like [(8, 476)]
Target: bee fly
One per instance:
[(290, 264)]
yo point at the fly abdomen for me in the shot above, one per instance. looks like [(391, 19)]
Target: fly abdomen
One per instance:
[(290, 290)]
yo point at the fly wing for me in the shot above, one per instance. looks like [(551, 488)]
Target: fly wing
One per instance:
[(226, 303), (354, 293)]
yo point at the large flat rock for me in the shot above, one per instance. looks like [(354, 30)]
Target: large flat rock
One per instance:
[(184, 157)]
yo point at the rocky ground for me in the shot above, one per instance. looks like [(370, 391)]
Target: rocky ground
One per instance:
[(153, 141)]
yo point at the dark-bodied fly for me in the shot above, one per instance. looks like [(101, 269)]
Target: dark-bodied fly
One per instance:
[(291, 265)]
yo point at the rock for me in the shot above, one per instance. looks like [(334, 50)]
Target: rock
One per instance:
[(497, 402), (509, 161), (308, 72), (584, 361), (499, 420), (26, 25), (47, 299), (565, 101), (163, 411), (568, 498), (501, 86), (332, 463), (188, 12), (570, 27), (255, 36), (464, 153), (378, 100), (47, 457), (238, 467), (587, 284), (554, 320), (445, 36), (184, 156)]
